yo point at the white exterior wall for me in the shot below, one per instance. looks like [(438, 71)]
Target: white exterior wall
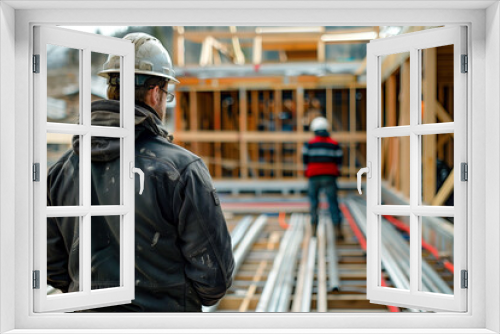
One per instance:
[(7, 166), (492, 154)]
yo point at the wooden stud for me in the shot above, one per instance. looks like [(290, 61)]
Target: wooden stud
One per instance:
[(429, 116), (179, 96), (320, 52), (193, 118), (445, 190), (257, 50), (300, 127), (390, 120), (217, 127), (329, 110), (404, 119), (243, 127), (179, 51)]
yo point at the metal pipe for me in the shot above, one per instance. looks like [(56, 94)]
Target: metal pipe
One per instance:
[(308, 284), (301, 276), (282, 273), (331, 253), (267, 292), (240, 230), (321, 303), (286, 293), (243, 249)]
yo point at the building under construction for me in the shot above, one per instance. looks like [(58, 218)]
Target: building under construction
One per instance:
[(244, 105)]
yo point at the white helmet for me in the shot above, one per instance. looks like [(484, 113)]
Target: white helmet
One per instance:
[(151, 59), (319, 123)]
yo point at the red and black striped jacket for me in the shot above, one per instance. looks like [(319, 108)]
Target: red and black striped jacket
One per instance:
[(322, 156)]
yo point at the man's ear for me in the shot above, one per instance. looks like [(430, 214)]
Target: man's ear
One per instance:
[(155, 96)]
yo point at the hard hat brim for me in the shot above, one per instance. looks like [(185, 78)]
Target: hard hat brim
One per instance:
[(105, 74)]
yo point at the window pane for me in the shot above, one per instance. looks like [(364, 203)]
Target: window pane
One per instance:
[(395, 164), (437, 255), (63, 255), (395, 89), (99, 88), (395, 251), (105, 171), (63, 84), (437, 77), (106, 252), (437, 169), (64, 190)]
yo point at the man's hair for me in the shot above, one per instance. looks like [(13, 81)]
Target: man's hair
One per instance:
[(140, 91)]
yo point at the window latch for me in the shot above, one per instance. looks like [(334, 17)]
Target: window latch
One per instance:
[(368, 171)]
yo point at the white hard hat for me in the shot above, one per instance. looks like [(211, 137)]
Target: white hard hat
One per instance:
[(319, 123), (151, 59)]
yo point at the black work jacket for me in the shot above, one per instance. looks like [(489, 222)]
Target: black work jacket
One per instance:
[(183, 256)]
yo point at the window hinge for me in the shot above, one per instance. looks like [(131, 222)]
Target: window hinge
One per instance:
[(36, 63), (36, 172), (465, 279), (464, 176), (465, 64), (36, 279)]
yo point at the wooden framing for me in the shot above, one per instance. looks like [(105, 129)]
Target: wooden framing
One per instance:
[(404, 119), (429, 116)]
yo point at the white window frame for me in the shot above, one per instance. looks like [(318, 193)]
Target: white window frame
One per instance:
[(414, 297), (483, 102), (85, 43)]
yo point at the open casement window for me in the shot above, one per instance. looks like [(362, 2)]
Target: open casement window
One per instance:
[(421, 127), (64, 86)]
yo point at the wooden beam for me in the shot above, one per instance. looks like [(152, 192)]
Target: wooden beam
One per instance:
[(278, 107), (429, 116), (242, 131), (257, 136), (361, 69), (239, 57), (193, 117), (178, 120), (442, 114), (320, 53), (391, 63), (206, 54), (257, 50), (329, 110), (404, 119), (217, 127), (300, 127), (390, 120), (179, 59), (445, 190)]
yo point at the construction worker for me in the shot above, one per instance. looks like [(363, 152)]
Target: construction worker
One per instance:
[(322, 157), (183, 256)]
